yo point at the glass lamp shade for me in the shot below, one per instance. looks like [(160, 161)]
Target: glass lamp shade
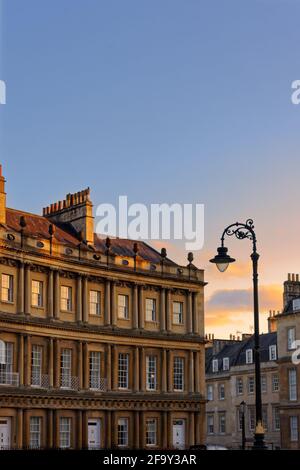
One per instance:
[(222, 259), (222, 266)]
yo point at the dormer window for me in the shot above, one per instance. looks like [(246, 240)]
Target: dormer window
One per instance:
[(226, 363), (215, 365), (249, 356)]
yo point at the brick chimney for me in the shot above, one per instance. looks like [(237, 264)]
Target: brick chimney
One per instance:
[(272, 321), (2, 198), (291, 288), (77, 210)]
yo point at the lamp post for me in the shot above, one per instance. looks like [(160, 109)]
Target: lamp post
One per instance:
[(222, 260), (242, 411)]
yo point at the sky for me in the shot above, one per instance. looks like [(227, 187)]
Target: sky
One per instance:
[(165, 101)]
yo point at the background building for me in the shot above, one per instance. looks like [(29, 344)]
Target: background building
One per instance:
[(288, 327), (230, 380), (102, 344)]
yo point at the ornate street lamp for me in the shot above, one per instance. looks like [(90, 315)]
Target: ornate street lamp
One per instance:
[(222, 260)]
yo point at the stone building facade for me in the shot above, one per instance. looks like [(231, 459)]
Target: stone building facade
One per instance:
[(230, 380), (101, 341), (288, 328)]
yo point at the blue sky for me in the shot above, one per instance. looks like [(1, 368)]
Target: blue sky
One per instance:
[(164, 101)]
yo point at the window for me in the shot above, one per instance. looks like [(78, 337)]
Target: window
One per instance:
[(251, 419), (123, 432), (226, 363), (292, 384), (123, 370), (66, 298), (215, 365), (178, 374), (151, 310), (265, 418), (178, 313), (249, 356), (273, 352), (291, 337), (65, 433), (151, 372), (294, 428), (221, 392), (7, 294), (276, 419), (123, 307), (275, 383), (37, 293), (65, 368), (6, 376), (95, 304), (222, 423), (251, 384), (240, 416), (151, 432), (95, 369), (36, 365), (210, 424), (35, 432), (210, 392), (239, 385), (263, 384)]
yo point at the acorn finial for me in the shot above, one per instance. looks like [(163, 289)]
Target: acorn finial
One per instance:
[(190, 257), (163, 253)]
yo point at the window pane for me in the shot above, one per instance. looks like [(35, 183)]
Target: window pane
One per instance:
[(123, 307), (65, 433), (95, 369), (35, 432), (151, 432), (37, 293), (178, 313), (123, 432), (150, 309), (151, 372), (7, 288), (36, 365), (95, 306)]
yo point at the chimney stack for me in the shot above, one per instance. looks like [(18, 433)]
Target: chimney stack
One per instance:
[(2, 198), (291, 288), (272, 322), (77, 210)]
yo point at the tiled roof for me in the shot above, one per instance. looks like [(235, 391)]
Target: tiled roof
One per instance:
[(236, 351), (38, 226)]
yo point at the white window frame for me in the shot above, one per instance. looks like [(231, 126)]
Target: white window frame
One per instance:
[(292, 382), (95, 302), (221, 391), (273, 352), (35, 432), (66, 298), (151, 372), (123, 432), (66, 368), (178, 374), (150, 310), (7, 368), (249, 356), (65, 425), (210, 392), (275, 383), (251, 385), (36, 365), (291, 337), (151, 432), (7, 288), (225, 363), (94, 370), (276, 419), (215, 365), (264, 384), (239, 386), (37, 288), (210, 424), (294, 432), (177, 312), (123, 371), (123, 306), (222, 422)]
